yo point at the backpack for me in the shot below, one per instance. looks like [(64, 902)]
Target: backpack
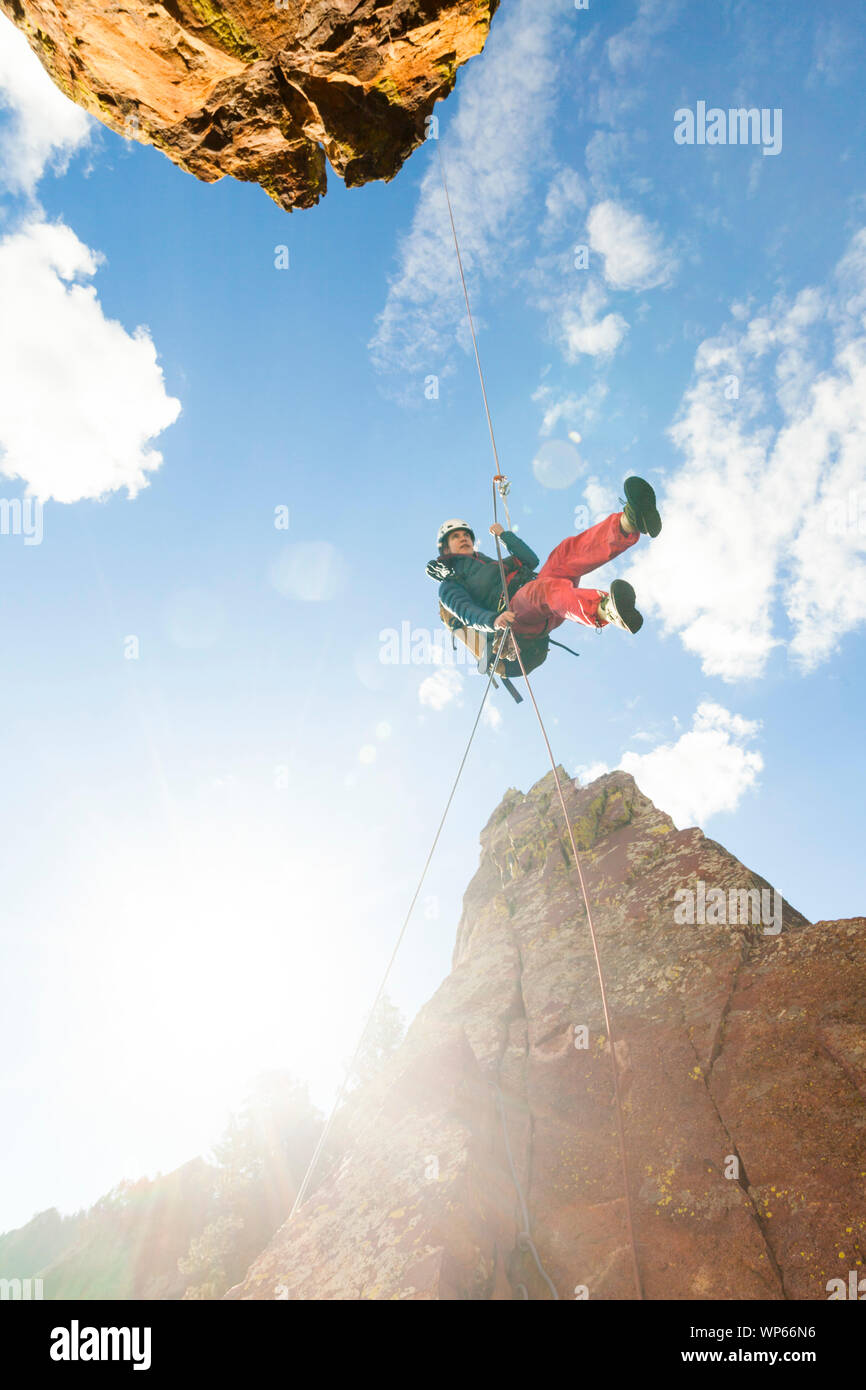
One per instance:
[(483, 645)]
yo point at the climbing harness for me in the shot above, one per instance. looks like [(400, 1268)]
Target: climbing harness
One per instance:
[(481, 645), (500, 489), (563, 647)]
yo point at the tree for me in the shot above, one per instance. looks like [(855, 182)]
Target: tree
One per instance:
[(210, 1257), (381, 1039), (260, 1160)]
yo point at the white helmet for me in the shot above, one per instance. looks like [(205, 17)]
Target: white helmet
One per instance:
[(448, 526)]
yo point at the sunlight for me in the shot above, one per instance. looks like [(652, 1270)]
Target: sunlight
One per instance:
[(192, 967)]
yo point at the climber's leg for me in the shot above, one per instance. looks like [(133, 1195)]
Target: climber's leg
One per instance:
[(578, 555), (544, 604)]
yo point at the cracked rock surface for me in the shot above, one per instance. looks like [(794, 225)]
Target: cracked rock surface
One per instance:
[(264, 90), (742, 1058)]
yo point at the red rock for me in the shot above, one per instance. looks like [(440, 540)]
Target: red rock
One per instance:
[(742, 1061)]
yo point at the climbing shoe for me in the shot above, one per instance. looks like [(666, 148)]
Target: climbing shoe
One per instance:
[(618, 607), (640, 507)]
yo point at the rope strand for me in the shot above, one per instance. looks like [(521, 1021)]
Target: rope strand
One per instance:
[(499, 474), (600, 973), (499, 481), (311, 1166), (524, 1239)]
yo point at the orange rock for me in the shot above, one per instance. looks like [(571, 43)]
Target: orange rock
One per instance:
[(262, 90)]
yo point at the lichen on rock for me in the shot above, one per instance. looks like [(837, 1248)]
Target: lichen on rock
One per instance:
[(261, 91)]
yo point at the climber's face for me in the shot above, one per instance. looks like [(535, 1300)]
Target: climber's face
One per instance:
[(460, 543)]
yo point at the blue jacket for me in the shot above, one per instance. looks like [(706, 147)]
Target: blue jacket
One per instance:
[(471, 585)]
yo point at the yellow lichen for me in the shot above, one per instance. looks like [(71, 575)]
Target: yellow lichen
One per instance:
[(225, 31)]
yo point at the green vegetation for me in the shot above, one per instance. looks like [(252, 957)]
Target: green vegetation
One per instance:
[(260, 1162), (382, 1038), (125, 1246), (605, 806)]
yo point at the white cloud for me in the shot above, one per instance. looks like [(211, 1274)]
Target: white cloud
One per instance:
[(634, 254), (850, 279), (582, 330), (46, 126), (497, 150), (614, 84), (442, 688), (607, 153), (587, 772), (631, 47), (837, 50), (600, 499), (583, 409), (707, 770), (565, 196), (491, 716), (764, 539), (491, 154), (80, 398)]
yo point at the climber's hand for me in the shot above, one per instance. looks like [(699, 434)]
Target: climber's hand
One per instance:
[(505, 619), (496, 529)]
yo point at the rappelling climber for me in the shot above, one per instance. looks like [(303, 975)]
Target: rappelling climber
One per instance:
[(470, 589)]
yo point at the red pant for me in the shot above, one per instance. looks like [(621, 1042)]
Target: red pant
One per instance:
[(544, 603)]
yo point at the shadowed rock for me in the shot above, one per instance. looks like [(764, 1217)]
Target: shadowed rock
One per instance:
[(264, 90)]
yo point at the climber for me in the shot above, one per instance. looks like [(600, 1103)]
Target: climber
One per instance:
[(471, 588)]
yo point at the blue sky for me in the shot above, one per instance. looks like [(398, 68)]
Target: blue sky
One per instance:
[(211, 832)]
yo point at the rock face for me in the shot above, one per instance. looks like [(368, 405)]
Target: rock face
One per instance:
[(741, 1044), (263, 90)]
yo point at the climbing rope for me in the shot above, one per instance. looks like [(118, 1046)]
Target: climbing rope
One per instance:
[(311, 1166), (524, 1238), (500, 487), (499, 478)]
